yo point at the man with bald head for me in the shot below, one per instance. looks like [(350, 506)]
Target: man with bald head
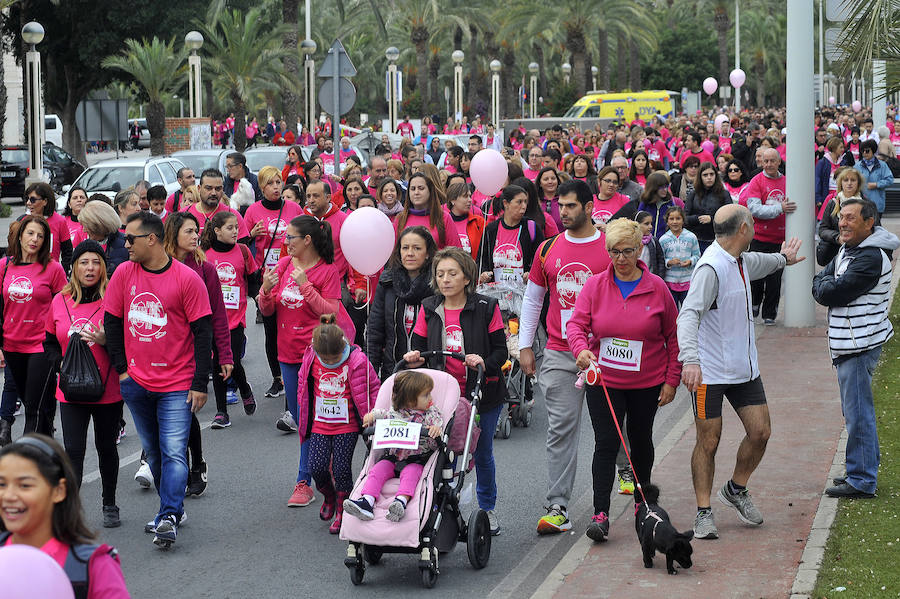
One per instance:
[(768, 203), (377, 174), (718, 349)]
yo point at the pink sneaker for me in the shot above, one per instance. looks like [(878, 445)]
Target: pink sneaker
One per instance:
[(302, 495)]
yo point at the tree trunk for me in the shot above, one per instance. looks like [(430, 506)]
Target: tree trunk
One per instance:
[(603, 59), (635, 58), (419, 38), (156, 123), (541, 75), (576, 43), (290, 10), (722, 23), (509, 85), (434, 68), (71, 136), (621, 62), (472, 94), (240, 123), (760, 69)]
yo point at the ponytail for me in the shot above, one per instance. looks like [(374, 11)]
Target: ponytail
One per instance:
[(328, 338), (320, 233), (209, 232)]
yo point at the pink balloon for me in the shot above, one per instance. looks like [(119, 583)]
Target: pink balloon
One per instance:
[(488, 171), (367, 239), (719, 120), (831, 100), (29, 573), (708, 146), (857, 105), (737, 78), (710, 85)]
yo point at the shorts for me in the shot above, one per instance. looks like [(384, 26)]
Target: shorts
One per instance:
[(707, 400)]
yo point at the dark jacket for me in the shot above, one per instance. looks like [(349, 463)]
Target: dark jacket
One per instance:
[(387, 339), (823, 175), (695, 207), (116, 252), (254, 183), (829, 235), (474, 320), (657, 258), (530, 237)]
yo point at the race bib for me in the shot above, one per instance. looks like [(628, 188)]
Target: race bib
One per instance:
[(464, 241), (232, 296), (329, 168), (564, 317), (396, 434), (272, 257), (332, 410), (621, 354), (509, 274)]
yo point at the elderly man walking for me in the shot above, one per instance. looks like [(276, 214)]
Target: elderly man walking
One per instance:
[(856, 287)]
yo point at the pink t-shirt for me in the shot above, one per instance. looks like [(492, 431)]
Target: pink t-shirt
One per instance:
[(28, 290), (204, 218), (333, 409), (59, 232), (566, 268), (87, 317), (415, 220), (295, 318), (461, 229), (507, 257), (531, 174), (604, 209), (273, 225), (233, 267), (405, 129), (76, 231), (336, 219), (454, 340), (157, 309)]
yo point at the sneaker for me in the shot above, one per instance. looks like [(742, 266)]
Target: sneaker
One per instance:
[(276, 389), (769, 322), (626, 482), (221, 421), (111, 517), (494, 522), (18, 411), (197, 481), (556, 520), (395, 510), (121, 434), (166, 531), (249, 404), (756, 309), (302, 495), (741, 502), (360, 508), (231, 397), (286, 423), (705, 526), (150, 527), (143, 476), (598, 529)]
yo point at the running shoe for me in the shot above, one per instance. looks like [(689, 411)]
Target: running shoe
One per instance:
[(150, 527), (231, 397), (494, 522), (769, 322), (556, 520), (362, 509), (598, 529), (303, 495), (395, 510), (166, 531), (111, 517), (286, 423), (249, 404), (143, 476), (18, 411), (742, 503), (197, 480), (705, 525), (121, 434), (221, 421), (276, 389), (626, 482)]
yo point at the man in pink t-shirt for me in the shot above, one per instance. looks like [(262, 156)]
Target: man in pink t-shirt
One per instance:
[(212, 189), (159, 338)]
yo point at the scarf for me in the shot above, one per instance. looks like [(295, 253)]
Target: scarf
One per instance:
[(391, 212)]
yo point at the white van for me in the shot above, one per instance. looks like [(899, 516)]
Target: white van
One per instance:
[(53, 129)]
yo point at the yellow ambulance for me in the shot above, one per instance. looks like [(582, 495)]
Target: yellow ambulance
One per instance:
[(624, 106)]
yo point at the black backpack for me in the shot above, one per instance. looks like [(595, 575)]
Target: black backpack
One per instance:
[(79, 376)]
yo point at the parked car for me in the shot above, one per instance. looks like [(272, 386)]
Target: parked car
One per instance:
[(59, 168), (112, 176), (14, 169), (53, 130), (200, 160), (268, 156), (144, 141), (65, 169)]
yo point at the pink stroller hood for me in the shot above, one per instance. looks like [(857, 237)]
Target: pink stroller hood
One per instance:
[(405, 533)]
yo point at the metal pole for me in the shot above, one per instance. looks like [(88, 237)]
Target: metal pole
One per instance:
[(799, 309), (879, 98), (306, 15), (392, 95), (737, 52), (336, 117), (195, 87), (457, 90), (495, 98), (822, 95), (309, 95), (35, 117), (532, 96)]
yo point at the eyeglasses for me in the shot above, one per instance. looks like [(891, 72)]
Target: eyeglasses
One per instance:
[(627, 252), (230, 165), (290, 238), (610, 181), (33, 199), (130, 238)]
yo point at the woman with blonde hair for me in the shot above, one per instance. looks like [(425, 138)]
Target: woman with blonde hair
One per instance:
[(101, 223), (189, 197), (850, 185)]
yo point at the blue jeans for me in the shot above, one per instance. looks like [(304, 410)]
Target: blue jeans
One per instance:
[(289, 374), (9, 397), (163, 422), (485, 472), (857, 404)]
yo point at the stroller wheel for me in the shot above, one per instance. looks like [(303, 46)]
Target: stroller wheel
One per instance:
[(526, 420), (372, 555), (356, 575), (429, 578), (478, 541), (507, 429)]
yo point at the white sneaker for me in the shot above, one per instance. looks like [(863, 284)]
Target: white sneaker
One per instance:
[(143, 476), (286, 423), (494, 522)]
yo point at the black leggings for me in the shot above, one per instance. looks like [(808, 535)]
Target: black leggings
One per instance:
[(336, 451), (270, 327), (640, 407), (75, 419), (31, 372), (195, 444), (238, 342)]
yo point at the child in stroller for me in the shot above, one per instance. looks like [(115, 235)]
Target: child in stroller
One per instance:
[(410, 401)]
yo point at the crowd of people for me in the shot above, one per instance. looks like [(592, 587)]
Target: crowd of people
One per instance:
[(647, 250)]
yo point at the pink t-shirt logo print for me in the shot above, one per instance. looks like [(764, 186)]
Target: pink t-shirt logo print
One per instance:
[(20, 290), (147, 318)]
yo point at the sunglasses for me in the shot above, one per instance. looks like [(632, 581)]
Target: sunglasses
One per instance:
[(734, 170), (30, 199), (130, 238)]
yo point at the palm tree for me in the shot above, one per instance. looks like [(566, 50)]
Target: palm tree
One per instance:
[(245, 55), (762, 38), (871, 31), (290, 11), (156, 66), (719, 10)]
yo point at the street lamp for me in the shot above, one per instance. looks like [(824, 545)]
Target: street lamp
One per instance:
[(458, 56), (533, 68), (392, 54), (495, 92), (32, 34), (567, 70), (308, 47), (194, 40), (594, 71)]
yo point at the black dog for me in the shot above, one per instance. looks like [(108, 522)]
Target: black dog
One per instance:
[(656, 533)]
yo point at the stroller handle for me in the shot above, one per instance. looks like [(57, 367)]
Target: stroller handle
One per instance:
[(476, 393)]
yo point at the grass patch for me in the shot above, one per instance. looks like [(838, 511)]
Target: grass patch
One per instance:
[(863, 550)]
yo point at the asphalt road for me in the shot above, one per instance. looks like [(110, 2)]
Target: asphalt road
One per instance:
[(242, 540)]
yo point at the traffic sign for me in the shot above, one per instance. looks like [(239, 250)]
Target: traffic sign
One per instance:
[(346, 93), (833, 53), (330, 66)]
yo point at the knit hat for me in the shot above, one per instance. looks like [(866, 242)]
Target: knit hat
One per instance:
[(88, 245)]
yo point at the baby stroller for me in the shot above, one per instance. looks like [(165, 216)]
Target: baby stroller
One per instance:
[(433, 522), (520, 388)]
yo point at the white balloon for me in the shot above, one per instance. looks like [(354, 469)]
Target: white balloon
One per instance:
[(710, 85), (737, 78)]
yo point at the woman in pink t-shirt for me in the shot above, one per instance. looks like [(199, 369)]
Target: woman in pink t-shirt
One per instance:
[(77, 199), (40, 200), (42, 510), (424, 206), (30, 279), (78, 310), (640, 167)]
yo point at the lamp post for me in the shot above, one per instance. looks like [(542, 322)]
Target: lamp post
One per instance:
[(458, 56), (495, 91), (533, 68), (567, 70), (737, 52), (194, 40), (594, 71), (392, 54), (32, 34), (308, 47)]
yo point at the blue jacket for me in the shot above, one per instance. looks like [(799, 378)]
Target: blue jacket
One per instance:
[(881, 175)]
